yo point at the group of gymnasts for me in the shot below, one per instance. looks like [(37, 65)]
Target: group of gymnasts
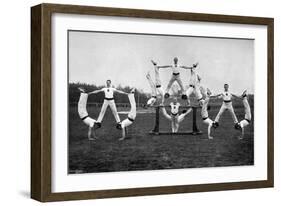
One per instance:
[(193, 86)]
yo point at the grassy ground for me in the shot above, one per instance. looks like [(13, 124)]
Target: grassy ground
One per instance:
[(141, 151)]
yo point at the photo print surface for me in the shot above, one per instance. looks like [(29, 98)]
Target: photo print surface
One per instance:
[(150, 102)]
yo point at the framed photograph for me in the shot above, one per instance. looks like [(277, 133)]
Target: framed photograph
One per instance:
[(130, 102)]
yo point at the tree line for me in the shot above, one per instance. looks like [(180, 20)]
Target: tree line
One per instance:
[(74, 93), (140, 96)]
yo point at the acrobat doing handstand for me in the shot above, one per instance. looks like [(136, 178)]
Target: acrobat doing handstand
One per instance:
[(175, 117), (205, 115), (83, 114), (247, 118), (156, 87), (131, 115)]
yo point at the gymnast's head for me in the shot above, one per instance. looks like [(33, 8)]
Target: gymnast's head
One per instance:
[(176, 60), (108, 83), (226, 86)]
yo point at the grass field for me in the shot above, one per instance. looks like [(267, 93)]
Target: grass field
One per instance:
[(142, 151)]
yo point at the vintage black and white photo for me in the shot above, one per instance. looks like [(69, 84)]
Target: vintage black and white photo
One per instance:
[(150, 102)]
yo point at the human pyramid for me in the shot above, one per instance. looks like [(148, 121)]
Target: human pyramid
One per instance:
[(202, 95), (108, 101)]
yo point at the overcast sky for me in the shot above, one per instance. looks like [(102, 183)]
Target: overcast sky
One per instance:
[(125, 58)]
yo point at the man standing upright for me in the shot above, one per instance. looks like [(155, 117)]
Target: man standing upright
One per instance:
[(175, 77), (108, 101), (226, 105)]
